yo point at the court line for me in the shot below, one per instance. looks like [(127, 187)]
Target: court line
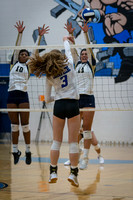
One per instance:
[(91, 161)]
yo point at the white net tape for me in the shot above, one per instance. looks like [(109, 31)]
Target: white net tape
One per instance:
[(62, 47)]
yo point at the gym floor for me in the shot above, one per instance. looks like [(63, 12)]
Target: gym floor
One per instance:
[(111, 181)]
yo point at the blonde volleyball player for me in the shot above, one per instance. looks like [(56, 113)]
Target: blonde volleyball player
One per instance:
[(85, 70), (18, 96), (60, 74)]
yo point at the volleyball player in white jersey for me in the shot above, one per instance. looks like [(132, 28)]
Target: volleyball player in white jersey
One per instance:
[(85, 70), (60, 74), (18, 96)]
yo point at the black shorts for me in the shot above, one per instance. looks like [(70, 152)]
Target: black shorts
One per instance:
[(86, 101), (66, 108), (17, 97)]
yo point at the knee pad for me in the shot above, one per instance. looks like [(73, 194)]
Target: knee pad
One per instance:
[(87, 134), (15, 127), (25, 128), (56, 145), (97, 147), (73, 147)]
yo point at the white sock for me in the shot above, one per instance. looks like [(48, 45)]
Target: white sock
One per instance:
[(86, 153), (15, 148), (73, 167), (53, 165), (27, 148)]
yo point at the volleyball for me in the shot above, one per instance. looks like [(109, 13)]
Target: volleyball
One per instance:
[(88, 14)]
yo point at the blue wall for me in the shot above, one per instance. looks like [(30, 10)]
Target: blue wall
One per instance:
[(5, 125)]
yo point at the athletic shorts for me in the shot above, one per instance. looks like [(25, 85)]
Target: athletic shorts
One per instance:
[(66, 108), (86, 101), (17, 97)]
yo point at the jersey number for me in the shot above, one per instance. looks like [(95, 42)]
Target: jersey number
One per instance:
[(19, 69), (64, 80)]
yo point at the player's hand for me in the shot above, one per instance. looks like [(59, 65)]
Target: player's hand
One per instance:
[(85, 27), (70, 38), (43, 30), (69, 28), (19, 26)]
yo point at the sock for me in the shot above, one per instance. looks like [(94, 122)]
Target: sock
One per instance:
[(27, 148), (53, 165), (86, 153), (73, 167), (15, 148)]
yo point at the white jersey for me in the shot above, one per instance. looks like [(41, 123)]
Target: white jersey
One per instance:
[(85, 78), (18, 78), (64, 84)]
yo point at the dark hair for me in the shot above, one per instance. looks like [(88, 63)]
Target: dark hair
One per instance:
[(24, 50), (82, 51)]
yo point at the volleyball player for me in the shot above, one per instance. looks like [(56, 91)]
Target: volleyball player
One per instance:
[(18, 96), (85, 70), (60, 74)]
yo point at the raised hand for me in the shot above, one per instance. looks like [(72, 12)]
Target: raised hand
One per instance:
[(43, 30), (69, 28), (70, 38), (19, 26), (85, 28)]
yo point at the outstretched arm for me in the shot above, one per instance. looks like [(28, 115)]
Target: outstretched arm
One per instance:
[(70, 30), (20, 28), (41, 31), (67, 40), (91, 55)]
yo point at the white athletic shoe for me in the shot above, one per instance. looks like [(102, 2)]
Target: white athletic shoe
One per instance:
[(73, 180), (67, 163), (53, 178), (101, 160), (83, 164)]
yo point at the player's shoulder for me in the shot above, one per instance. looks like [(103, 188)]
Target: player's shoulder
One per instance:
[(12, 65)]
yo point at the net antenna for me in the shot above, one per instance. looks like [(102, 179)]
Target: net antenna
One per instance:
[(42, 116)]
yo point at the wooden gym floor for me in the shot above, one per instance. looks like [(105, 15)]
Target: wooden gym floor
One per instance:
[(112, 181)]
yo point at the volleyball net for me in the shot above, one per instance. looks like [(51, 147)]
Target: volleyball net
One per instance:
[(113, 82)]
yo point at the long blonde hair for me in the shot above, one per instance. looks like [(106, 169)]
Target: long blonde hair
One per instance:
[(51, 64)]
